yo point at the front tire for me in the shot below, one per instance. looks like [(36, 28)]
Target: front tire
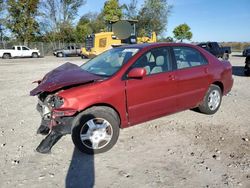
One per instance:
[(225, 56), (34, 55), (95, 130), (247, 67), (83, 57), (59, 54), (212, 100)]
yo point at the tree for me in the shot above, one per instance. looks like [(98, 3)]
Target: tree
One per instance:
[(153, 16), (182, 32), (130, 10), (166, 39), (1, 6), (89, 23), (57, 19), (22, 19), (112, 10), (1, 19)]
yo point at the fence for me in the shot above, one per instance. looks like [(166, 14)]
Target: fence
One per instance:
[(46, 49)]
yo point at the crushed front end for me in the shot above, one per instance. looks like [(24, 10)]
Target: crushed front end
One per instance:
[(55, 121), (56, 112)]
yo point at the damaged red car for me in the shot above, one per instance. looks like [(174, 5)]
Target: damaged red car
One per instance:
[(126, 86)]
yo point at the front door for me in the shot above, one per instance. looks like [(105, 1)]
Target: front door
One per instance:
[(26, 52), (153, 95)]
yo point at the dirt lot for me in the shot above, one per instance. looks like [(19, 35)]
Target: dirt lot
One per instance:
[(187, 149)]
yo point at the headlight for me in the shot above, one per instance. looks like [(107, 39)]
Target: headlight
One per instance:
[(55, 101)]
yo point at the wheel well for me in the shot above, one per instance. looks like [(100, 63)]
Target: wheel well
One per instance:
[(7, 53), (220, 84), (104, 105)]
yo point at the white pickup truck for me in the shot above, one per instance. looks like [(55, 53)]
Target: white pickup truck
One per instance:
[(19, 51)]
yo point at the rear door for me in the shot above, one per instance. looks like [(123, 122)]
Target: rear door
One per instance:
[(153, 95), (192, 76), (18, 51)]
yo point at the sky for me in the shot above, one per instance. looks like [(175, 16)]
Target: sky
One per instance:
[(209, 20)]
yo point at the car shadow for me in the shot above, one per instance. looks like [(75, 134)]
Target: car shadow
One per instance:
[(238, 70), (81, 172)]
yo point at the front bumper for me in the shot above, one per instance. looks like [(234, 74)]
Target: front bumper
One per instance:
[(56, 119), (54, 124), (89, 54)]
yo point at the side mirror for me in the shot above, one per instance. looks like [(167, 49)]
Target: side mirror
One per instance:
[(137, 73)]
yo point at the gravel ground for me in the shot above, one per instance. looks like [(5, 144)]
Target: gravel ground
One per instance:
[(187, 149)]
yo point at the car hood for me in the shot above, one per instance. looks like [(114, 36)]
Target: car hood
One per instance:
[(65, 75)]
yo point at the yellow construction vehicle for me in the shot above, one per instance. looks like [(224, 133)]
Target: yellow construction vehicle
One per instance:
[(119, 33), (149, 39)]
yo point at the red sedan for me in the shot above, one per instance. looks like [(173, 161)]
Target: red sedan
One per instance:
[(126, 86)]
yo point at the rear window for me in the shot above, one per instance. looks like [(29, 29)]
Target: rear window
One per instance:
[(188, 57)]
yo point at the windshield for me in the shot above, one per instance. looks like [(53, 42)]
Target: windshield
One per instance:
[(109, 62)]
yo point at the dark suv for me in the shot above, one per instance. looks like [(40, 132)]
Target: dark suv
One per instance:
[(247, 66), (246, 52)]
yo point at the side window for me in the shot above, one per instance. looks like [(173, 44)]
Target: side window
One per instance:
[(154, 61), (24, 48), (188, 57), (18, 48), (102, 42)]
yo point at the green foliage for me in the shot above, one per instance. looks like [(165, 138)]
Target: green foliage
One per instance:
[(22, 19), (130, 10), (88, 24), (53, 20), (153, 16), (70, 9), (182, 32), (57, 19), (167, 39), (112, 10), (1, 6)]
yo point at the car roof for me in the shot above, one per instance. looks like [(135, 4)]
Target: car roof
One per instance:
[(156, 44)]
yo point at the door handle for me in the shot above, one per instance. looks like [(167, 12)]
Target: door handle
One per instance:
[(206, 70)]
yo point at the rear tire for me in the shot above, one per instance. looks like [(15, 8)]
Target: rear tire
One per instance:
[(212, 100), (95, 130), (6, 56), (247, 72)]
